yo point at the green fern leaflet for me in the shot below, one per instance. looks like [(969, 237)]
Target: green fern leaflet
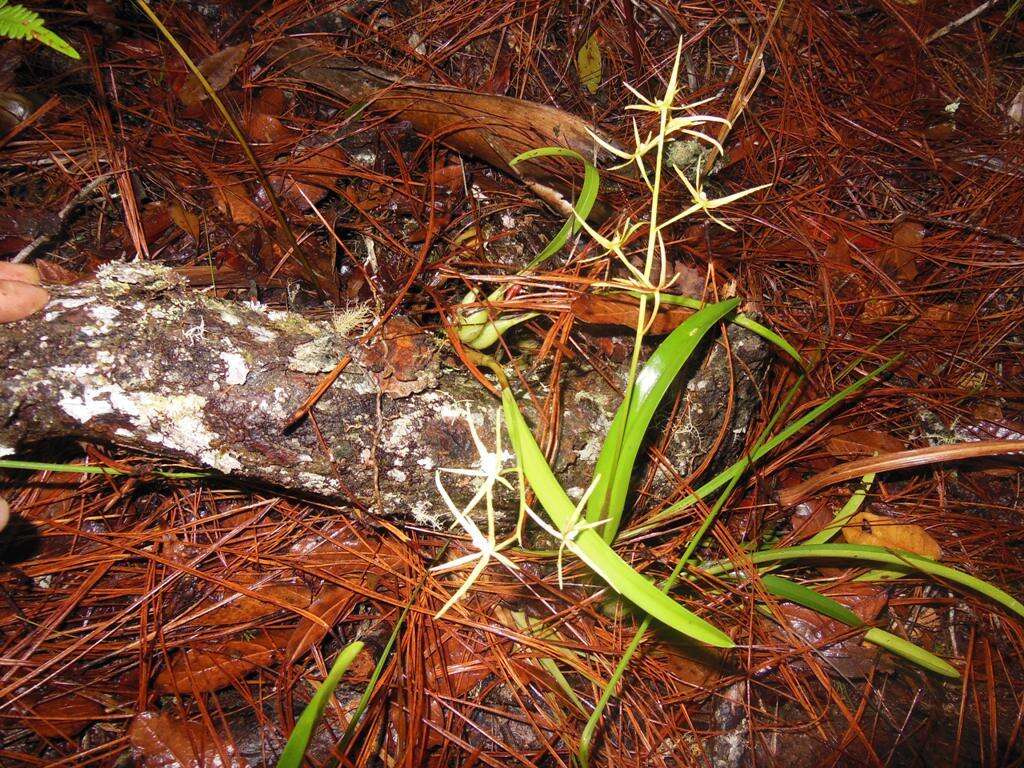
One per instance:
[(19, 23)]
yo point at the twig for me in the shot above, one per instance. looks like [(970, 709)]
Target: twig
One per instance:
[(959, 22), (65, 213)]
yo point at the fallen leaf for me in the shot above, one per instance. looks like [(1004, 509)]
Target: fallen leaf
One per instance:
[(53, 273), (588, 64), (246, 608), (624, 311), (161, 740), (186, 221), (899, 260), (218, 69), (59, 717), (232, 199), (1016, 109), (329, 606), (310, 177), (205, 669), (849, 657), (880, 531), (863, 442), (400, 358)]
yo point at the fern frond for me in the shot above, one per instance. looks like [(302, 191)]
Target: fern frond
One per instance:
[(19, 23)]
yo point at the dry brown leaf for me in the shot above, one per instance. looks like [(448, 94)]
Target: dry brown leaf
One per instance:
[(52, 272), (624, 311), (399, 358), (245, 608), (492, 128), (900, 259), (218, 69), (863, 442), (60, 717), (160, 740), (204, 669), (880, 531), (232, 199), (308, 179), (329, 606), (186, 221)]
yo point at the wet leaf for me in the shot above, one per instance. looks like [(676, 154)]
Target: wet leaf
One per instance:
[(160, 740), (329, 606), (623, 311), (59, 717), (204, 669), (588, 64), (880, 531), (900, 259), (245, 608), (186, 221), (232, 199), (400, 358), (310, 177), (863, 442), (218, 68)]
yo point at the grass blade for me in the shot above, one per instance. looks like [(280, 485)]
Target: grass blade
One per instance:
[(790, 429), (295, 749), (615, 463), (591, 548), (879, 555), (584, 203), (743, 321), (843, 515), (826, 606)]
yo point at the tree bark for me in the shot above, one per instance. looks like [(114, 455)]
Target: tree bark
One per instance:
[(135, 358)]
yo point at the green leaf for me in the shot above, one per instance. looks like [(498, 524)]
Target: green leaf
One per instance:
[(583, 205), (614, 467), (826, 606), (881, 555), (19, 23), (295, 749), (588, 64), (843, 515), (590, 547), (787, 432), (743, 321)]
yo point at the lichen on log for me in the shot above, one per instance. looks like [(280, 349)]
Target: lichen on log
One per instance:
[(135, 358)]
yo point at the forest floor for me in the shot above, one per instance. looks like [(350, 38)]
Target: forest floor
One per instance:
[(161, 622)]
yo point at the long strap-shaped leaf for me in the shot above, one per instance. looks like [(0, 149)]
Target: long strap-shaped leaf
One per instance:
[(826, 606), (614, 467), (867, 553), (590, 547), (295, 749)]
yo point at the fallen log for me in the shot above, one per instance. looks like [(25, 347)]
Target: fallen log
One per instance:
[(135, 358)]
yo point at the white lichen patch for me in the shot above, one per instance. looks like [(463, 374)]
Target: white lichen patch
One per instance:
[(237, 369), (398, 475), (104, 316), (172, 421), (261, 334), (317, 356), (327, 486), (6, 450), (117, 278), (65, 305), (92, 402)]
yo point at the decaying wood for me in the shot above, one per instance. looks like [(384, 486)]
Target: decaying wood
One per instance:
[(135, 358)]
